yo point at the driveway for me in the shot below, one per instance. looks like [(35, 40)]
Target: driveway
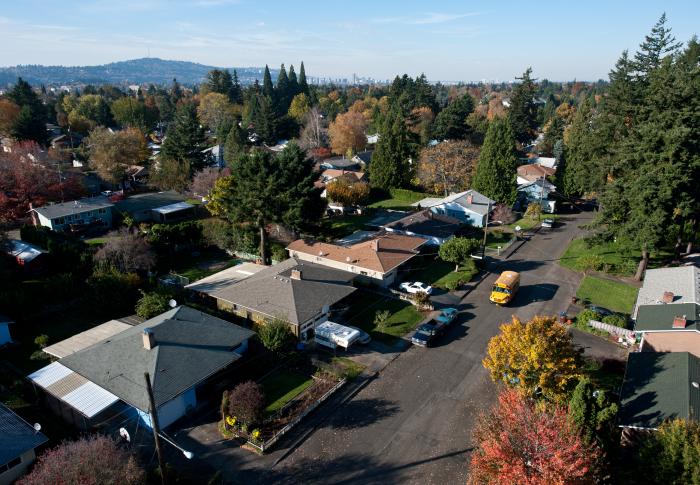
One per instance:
[(413, 423)]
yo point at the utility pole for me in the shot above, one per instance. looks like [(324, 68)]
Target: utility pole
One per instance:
[(155, 427)]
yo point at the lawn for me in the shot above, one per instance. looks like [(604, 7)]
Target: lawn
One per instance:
[(200, 264), (400, 200), (281, 387), (527, 223), (440, 274), (616, 296), (404, 316), (341, 226), (615, 259)]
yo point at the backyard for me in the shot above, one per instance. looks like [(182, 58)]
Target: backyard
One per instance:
[(340, 226), (608, 257), (196, 265), (403, 317), (614, 295), (399, 199)]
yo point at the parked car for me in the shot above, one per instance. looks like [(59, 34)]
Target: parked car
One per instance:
[(447, 316), (364, 338), (416, 287), (426, 334), (603, 312), (548, 223)]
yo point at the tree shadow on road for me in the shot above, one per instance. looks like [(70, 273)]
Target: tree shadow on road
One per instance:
[(359, 413), (533, 293)]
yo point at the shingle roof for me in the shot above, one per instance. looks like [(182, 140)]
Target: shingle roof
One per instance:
[(274, 293), (150, 201), (479, 204), (535, 171), (682, 281), (660, 317), (190, 346), (63, 209), (381, 253), (16, 435), (427, 223), (339, 162), (659, 386)]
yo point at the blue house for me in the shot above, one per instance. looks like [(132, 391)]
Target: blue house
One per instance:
[(18, 442), (65, 216), (537, 191), (469, 207)]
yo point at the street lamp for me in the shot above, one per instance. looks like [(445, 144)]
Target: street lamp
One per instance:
[(188, 454)]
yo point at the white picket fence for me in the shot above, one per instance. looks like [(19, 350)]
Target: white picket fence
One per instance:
[(612, 329)]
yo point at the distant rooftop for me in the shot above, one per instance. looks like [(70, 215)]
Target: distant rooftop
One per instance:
[(52, 211)]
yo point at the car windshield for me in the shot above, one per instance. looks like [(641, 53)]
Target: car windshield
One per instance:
[(499, 289)]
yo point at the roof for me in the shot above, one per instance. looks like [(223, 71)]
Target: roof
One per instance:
[(659, 386), (480, 204), (365, 157), (63, 209), (85, 339), (660, 317), (333, 173), (273, 292), (176, 207), (226, 277), (23, 250), (550, 162), (82, 395), (507, 278), (16, 435), (427, 202), (538, 183), (149, 201), (190, 346), (381, 253), (535, 171), (427, 223), (339, 162), (682, 281)]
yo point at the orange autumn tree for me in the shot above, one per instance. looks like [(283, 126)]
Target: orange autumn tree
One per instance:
[(347, 133), (537, 357), (522, 441)]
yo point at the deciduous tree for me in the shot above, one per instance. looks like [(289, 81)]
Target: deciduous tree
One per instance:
[(348, 133), (112, 152), (347, 191), (126, 251), (275, 335), (300, 107), (246, 403), (671, 455), (215, 110), (447, 167), (458, 250)]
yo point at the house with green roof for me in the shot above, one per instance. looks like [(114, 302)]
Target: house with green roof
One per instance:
[(658, 386), (671, 327)]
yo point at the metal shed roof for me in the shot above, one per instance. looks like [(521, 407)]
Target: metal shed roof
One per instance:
[(86, 339), (169, 209)]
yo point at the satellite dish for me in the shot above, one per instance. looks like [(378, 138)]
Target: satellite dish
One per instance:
[(172, 303), (37, 427), (125, 435), (695, 385)]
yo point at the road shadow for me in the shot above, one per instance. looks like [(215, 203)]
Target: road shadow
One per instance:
[(534, 293), (520, 265), (456, 331), (359, 413)]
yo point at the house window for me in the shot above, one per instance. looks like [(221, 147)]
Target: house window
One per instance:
[(11, 464)]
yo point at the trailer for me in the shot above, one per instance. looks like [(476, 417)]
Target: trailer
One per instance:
[(333, 335)]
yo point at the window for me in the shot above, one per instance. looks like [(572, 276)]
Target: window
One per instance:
[(11, 464), (61, 220)]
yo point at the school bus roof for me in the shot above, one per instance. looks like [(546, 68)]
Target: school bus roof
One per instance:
[(508, 278)]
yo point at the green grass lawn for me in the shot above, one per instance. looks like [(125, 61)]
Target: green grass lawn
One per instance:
[(281, 387), (404, 316), (98, 241), (616, 296), (203, 264), (400, 200), (338, 227), (440, 274), (616, 259)]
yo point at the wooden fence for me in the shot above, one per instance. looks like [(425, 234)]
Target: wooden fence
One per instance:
[(612, 329)]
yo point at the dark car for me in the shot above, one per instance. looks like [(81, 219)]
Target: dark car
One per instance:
[(427, 333), (603, 312)]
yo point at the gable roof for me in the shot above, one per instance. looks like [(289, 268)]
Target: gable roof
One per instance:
[(427, 223), (364, 157), (16, 435), (382, 253), (682, 281), (225, 277), (340, 162), (149, 201), (660, 317), (659, 386), (273, 292), (479, 204), (190, 346), (334, 173), (63, 209), (539, 183), (535, 171)]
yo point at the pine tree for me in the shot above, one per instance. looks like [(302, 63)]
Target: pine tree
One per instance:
[(175, 91), (523, 113), (451, 122), (30, 123), (657, 45), (235, 144), (390, 168), (293, 83), (303, 86), (282, 92), (185, 139), (236, 94), (265, 120), (496, 171), (580, 173), (268, 90)]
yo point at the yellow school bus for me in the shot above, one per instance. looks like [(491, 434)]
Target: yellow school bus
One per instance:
[(505, 288)]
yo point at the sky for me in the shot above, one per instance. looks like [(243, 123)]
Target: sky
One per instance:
[(447, 40)]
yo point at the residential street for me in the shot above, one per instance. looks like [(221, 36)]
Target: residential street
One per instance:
[(412, 424)]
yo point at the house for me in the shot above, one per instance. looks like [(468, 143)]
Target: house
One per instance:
[(372, 139), (18, 443), (181, 349), (27, 255), (533, 172), (215, 155), (426, 224), (376, 260), (669, 285), (71, 216), (659, 386), (673, 327), (156, 207), (5, 335), (536, 192), (363, 158), (340, 163), (549, 162), (296, 291), (226, 277), (331, 174), (470, 207)]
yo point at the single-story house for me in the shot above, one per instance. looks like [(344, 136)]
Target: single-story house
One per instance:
[(340, 163), (426, 224), (156, 206), (532, 172), (298, 292), (18, 443), (5, 334), (66, 216), (376, 260), (469, 206), (669, 285), (658, 386), (180, 349), (537, 191), (363, 158), (673, 327), (27, 255)]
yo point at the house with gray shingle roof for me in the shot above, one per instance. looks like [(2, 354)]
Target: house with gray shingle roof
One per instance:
[(669, 285), (89, 211), (18, 442), (672, 327), (658, 386), (470, 207)]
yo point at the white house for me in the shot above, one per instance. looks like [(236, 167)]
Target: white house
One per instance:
[(469, 207)]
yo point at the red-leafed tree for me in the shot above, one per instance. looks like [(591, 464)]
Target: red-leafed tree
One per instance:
[(529, 443), (28, 176)]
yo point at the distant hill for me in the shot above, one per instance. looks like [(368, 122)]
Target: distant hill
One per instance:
[(136, 71)]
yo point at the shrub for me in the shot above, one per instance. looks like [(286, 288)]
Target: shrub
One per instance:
[(229, 237), (278, 252), (113, 292), (275, 335), (188, 233), (458, 250), (585, 316), (590, 262), (246, 403), (153, 303), (126, 251), (422, 299), (381, 319), (534, 210), (91, 460), (616, 320), (504, 214), (406, 195), (671, 455)]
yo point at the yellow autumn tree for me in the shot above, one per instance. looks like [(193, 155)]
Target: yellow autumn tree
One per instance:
[(537, 357), (347, 133)]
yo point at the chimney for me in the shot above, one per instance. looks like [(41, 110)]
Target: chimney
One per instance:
[(374, 245), (470, 198), (668, 297), (149, 340), (679, 322), (296, 274)]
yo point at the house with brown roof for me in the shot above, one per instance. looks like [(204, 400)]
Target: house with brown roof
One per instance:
[(376, 260), (533, 172)]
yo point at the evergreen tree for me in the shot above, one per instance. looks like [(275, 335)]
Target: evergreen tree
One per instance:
[(175, 91), (185, 139), (390, 168), (268, 89), (236, 93), (282, 92), (451, 122), (30, 123), (496, 171), (219, 81), (580, 173), (293, 83), (592, 413), (265, 120), (235, 144), (303, 86), (657, 45), (523, 112)]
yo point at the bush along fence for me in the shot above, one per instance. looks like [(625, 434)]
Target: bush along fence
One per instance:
[(612, 329)]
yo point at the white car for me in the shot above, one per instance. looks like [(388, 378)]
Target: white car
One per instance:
[(447, 315), (416, 287), (548, 223)]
